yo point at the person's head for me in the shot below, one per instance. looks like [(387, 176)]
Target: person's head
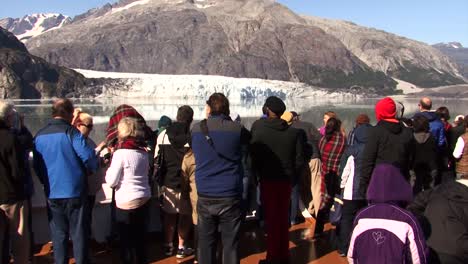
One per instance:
[(164, 122), (465, 122), (83, 122), (420, 124), (333, 125), (288, 117), (385, 109), (328, 115), (362, 119), (185, 114), (443, 113), (129, 127), (295, 115), (425, 104), (63, 109), (217, 104), (275, 107), (6, 113), (459, 120), (387, 185)]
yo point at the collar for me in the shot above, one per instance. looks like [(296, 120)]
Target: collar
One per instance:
[(463, 181)]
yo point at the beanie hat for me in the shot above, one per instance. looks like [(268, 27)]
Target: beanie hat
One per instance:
[(385, 109), (164, 121), (288, 117), (276, 105)]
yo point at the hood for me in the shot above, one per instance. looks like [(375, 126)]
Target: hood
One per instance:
[(431, 116), (455, 191), (275, 123), (361, 134), (387, 185), (394, 128), (422, 137), (178, 134)]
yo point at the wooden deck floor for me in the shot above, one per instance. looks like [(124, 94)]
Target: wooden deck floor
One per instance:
[(252, 249)]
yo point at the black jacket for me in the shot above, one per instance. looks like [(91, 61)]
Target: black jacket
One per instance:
[(311, 149), (277, 150), (424, 154), (175, 143), (11, 167), (443, 212), (387, 143)]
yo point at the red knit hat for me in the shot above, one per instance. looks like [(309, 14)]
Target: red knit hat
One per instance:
[(385, 109)]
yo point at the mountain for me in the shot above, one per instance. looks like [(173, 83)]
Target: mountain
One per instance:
[(241, 38), (33, 25), (24, 76), (399, 57), (457, 53)]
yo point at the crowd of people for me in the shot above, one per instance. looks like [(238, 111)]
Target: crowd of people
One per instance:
[(397, 191)]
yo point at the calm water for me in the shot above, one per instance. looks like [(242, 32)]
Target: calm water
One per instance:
[(38, 112)]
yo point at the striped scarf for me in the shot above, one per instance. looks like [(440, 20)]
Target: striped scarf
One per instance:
[(331, 152)]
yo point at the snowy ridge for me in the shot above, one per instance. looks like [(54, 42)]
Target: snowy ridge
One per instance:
[(160, 86), (36, 24), (141, 2)]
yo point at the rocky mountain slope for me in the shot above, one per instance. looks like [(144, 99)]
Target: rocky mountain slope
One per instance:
[(241, 38), (245, 38), (24, 76), (33, 25), (399, 57), (457, 53)]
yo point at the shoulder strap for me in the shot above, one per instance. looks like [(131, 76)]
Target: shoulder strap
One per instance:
[(204, 130)]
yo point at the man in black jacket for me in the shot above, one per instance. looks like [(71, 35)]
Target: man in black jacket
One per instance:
[(13, 206), (277, 157), (443, 212), (388, 142)]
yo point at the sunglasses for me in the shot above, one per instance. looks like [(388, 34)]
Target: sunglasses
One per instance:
[(90, 126)]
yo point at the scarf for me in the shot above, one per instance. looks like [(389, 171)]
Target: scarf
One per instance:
[(131, 143)]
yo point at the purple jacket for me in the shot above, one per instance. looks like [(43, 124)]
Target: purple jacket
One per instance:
[(384, 232)]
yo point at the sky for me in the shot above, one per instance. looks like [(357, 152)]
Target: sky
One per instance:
[(429, 21)]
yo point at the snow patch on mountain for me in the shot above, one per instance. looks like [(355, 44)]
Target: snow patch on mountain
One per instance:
[(34, 25), (120, 9)]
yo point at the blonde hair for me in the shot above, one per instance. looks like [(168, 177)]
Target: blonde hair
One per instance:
[(79, 117), (5, 110), (129, 127)]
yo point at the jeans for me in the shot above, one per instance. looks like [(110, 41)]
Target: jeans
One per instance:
[(131, 225), (294, 208), (350, 209), (223, 214), (67, 218)]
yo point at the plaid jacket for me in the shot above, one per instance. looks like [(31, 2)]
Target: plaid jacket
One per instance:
[(331, 152)]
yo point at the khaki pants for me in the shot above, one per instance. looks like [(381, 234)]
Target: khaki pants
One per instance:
[(14, 221), (311, 186)]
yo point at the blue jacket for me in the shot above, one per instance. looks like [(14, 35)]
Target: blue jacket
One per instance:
[(62, 158), (436, 127), (219, 169), (355, 149)]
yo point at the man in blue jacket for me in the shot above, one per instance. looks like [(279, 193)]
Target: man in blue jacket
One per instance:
[(62, 159), (216, 143), (435, 124)]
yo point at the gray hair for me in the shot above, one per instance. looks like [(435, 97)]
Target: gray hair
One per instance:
[(5, 110)]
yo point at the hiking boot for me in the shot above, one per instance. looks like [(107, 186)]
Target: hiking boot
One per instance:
[(184, 252)]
